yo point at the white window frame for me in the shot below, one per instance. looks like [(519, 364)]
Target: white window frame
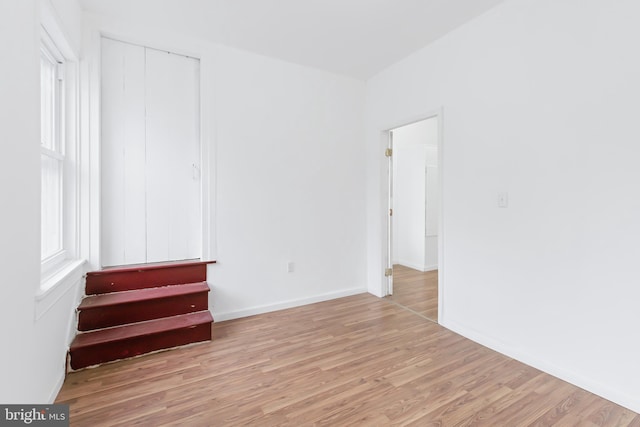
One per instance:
[(56, 268), (53, 146)]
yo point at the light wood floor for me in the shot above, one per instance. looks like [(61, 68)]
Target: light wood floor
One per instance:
[(416, 290), (358, 360)]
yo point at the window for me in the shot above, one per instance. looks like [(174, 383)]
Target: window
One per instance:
[(52, 151), (59, 157)]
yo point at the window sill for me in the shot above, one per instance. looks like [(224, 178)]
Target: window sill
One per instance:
[(57, 284)]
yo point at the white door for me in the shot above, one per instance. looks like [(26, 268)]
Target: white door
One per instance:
[(390, 204), (150, 155)]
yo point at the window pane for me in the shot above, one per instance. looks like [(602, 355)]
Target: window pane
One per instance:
[(51, 221), (47, 101)]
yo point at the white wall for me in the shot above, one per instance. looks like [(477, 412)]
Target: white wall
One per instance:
[(409, 205), (34, 334), (415, 195), (69, 16), (290, 184), (285, 143), (540, 99)]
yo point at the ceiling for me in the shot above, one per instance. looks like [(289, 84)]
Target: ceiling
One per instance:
[(357, 38)]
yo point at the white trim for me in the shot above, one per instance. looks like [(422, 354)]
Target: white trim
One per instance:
[(93, 217), (51, 265), (431, 267), (229, 315), (49, 47), (63, 269), (104, 35), (384, 135), (390, 205), (409, 264), (422, 268), (411, 120), (55, 390), (602, 390), (73, 165), (57, 285), (149, 42), (97, 29), (51, 22), (441, 218), (207, 162), (51, 153)]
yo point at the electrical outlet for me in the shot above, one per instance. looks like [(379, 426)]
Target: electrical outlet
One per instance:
[(290, 267), (503, 199)]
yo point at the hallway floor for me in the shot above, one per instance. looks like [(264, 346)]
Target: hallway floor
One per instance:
[(416, 290)]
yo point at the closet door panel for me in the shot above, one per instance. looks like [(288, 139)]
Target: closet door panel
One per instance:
[(123, 182), (173, 156)]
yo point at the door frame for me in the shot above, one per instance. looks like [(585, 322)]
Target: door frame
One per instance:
[(91, 132), (387, 244)]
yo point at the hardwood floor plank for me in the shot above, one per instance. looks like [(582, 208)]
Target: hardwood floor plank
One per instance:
[(416, 290), (353, 361), (610, 415)]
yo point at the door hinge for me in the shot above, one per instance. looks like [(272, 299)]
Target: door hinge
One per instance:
[(388, 152), (390, 212), (388, 272)]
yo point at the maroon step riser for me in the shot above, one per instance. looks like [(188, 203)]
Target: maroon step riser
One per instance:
[(102, 353), (121, 314), (106, 282)]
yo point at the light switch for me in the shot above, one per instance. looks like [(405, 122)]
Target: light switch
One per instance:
[(503, 200)]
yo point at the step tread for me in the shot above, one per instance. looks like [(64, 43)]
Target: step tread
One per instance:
[(137, 295), (148, 267), (139, 329)]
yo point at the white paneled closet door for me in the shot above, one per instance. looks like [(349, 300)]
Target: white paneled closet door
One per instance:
[(150, 152)]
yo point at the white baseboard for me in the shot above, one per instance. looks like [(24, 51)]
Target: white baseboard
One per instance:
[(229, 315), (409, 264), (422, 268), (56, 389), (586, 383)]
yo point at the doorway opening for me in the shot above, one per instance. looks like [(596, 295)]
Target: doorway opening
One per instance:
[(414, 236)]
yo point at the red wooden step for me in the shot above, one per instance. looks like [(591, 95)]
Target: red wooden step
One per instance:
[(145, 276), (120, 342), (119, 308)]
